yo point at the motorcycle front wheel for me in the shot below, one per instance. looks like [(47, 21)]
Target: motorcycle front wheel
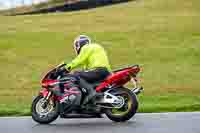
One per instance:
[(129, 108), (44, 112)]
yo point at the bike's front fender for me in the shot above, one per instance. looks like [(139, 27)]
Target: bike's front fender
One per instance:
[(44, 92)]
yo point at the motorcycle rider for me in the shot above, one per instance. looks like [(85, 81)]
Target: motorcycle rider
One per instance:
[(93, 59)]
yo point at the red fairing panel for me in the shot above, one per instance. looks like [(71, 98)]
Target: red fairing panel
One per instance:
[(45, 83), (117, 79)]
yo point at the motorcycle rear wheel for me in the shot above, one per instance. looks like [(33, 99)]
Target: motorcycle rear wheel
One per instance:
[(43, 117), (128, 110)]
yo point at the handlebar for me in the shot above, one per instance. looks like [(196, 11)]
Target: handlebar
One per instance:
[(60, 70), (61, 65)]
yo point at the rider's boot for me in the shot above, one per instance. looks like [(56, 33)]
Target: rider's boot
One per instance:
[(70, 101), (91, 96)]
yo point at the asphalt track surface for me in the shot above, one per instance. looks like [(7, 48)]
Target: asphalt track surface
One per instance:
[(141, 123)]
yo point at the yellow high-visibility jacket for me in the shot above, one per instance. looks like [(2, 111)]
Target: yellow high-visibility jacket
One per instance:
[(90, 57)]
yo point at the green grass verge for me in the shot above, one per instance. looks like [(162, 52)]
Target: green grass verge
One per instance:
[(162, 36)]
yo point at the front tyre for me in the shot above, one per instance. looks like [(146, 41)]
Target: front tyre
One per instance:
[(44, 112), (129, 108)]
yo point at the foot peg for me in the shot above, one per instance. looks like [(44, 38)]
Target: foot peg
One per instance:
[(137, 91)]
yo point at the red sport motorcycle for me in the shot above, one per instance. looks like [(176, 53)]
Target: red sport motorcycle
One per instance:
[(113, 99)]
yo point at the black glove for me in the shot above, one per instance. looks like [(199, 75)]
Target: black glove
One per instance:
[(61, 71)]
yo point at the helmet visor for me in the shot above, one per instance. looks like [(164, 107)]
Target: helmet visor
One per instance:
[(76, 46)]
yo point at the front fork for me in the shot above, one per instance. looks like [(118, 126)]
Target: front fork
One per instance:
[(48, 96), (46, 100)]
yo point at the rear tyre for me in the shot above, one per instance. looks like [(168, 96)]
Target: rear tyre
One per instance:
[(44, 114), (128, 110)]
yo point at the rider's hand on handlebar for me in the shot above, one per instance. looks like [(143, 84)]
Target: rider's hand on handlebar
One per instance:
[(61, 70)]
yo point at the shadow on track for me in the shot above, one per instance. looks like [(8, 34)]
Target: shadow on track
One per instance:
[(83, 125)]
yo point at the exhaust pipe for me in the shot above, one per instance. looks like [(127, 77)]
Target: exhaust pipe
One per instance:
[(137, 91)]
